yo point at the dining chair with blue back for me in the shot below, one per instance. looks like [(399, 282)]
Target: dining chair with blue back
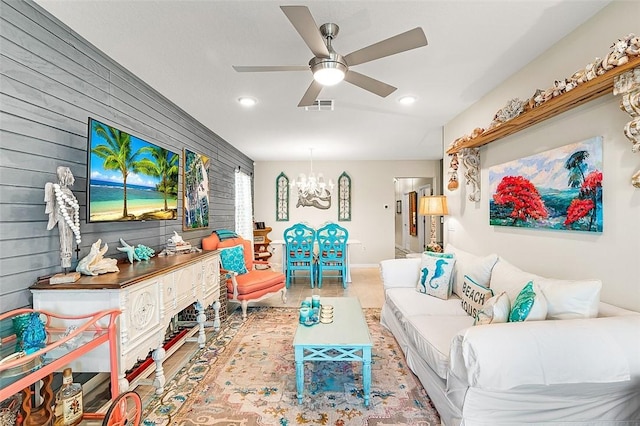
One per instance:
[(299, 254), (332, 251)]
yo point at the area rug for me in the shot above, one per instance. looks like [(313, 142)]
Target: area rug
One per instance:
[(245, 376)]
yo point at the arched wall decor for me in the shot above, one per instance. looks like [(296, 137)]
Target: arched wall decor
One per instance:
[(282, 198), (344, 197)]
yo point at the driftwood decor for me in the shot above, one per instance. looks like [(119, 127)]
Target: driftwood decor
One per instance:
[(594, 80), (628, 85), (591, 82), (471, 161)]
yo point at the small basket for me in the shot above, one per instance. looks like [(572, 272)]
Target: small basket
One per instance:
[(9, 409)]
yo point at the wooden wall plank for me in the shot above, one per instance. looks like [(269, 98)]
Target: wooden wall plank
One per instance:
[(51, 81)]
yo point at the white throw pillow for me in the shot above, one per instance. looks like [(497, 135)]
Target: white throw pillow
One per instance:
[(477, 267), (495, 310), (474, 296), (435, 274), (509, 278), (571, 299)]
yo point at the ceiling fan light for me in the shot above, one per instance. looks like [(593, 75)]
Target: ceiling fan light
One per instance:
[(328, 76)]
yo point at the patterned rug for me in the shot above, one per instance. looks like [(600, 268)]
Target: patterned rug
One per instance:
[(245, 376)]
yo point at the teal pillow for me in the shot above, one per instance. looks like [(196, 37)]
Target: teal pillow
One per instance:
[(232, 259), (530, 305), (523, 303)]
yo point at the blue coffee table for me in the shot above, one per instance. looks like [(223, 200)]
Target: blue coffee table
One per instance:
[(347, 338)]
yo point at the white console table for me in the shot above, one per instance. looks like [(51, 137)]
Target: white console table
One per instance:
[(149, 294)]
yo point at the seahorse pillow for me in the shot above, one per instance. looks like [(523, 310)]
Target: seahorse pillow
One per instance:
[(474, 296), (232, 259), (436, 271)]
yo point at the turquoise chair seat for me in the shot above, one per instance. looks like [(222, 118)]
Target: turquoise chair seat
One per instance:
[(299, 252), (332, 251)]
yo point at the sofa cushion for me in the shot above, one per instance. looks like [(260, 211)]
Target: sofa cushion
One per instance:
[(474, 296), (432, 335), (571, 299), (257, 280), (510, 279), (232, 259), (408, 303), (495, 310), (566, 299), (529, 305), (436, 270), (477, 267), (400, 272)]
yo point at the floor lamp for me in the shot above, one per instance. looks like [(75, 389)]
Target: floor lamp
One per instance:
[(435, 205)]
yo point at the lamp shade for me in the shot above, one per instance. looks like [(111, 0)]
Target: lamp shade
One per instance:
[(435, 205)]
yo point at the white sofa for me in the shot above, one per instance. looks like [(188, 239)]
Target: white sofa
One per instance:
[(583, 371)]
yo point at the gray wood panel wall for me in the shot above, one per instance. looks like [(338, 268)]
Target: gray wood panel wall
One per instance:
[(51, 81)]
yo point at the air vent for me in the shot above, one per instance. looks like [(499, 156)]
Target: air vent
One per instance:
[(321, 105)]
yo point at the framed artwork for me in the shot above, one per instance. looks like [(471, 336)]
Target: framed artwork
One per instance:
[(344, 197), (557, 189), (282, 198), (399, 207), (259, 239), (196, 191), (413, 213), (260, 225)]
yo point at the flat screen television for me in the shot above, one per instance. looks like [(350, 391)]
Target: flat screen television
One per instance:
[(129, 178)]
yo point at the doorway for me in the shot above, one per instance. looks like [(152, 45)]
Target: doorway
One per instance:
[(404, 241)]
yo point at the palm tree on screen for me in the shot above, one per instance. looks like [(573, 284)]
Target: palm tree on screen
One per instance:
[(166, 168), (116, 155)]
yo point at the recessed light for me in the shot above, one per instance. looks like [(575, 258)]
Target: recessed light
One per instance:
[(247, 101), (407, 100)]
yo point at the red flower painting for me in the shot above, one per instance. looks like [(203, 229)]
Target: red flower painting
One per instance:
[(522, 196)]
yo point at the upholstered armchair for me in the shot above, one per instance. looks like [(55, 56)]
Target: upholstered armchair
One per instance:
[(245, 283)]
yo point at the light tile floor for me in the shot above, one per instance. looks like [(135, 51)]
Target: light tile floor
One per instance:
[(366, 285)]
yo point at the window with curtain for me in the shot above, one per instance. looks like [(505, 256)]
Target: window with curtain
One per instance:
[(244, 206)]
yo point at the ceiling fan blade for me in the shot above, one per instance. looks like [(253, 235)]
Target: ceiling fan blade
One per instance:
[(303, 22), (370, 84), (271, 68), (311, 94), (402, 42)]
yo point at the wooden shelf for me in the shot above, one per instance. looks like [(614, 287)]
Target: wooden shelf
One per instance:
[(583, 93), (261, 244)]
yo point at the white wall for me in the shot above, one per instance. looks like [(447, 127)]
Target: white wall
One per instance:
[(372, 188), (613, 255)]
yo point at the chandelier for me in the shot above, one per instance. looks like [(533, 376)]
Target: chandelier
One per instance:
[(313, 191)]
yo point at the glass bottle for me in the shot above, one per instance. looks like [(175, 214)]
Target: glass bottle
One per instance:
[(68, 409)]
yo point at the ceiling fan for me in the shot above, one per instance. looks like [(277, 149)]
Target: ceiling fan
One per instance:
[(329, 67)]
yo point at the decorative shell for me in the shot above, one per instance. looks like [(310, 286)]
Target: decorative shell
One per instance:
[(511, 110)]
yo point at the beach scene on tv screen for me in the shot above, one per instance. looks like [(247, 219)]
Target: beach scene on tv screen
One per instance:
[(130, 179)]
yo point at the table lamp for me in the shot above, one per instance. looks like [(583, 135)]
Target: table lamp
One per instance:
[(435, 205)]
